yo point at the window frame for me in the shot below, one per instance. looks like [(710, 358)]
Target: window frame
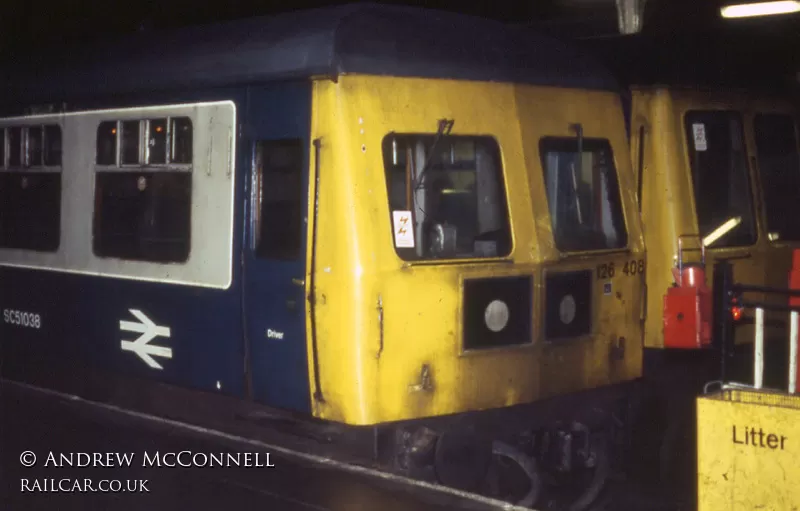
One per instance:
[(25, 168), (142, 167), (144, 147), (625, 224), (748, 171), (640, 163), (762, 114), (257, 203), (218, 163), (502, 187)]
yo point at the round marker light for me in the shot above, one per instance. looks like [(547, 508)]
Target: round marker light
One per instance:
[(496, 315), (567, 309)]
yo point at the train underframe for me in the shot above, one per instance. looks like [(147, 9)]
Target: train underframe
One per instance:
[(559, 453), (562, 453)]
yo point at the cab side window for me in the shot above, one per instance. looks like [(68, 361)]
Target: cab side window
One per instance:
[(280, 199), (779, 165)]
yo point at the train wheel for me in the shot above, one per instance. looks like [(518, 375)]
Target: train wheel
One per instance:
[(581, 486), (513, 476)]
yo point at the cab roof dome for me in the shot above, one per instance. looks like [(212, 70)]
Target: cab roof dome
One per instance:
[(350, 39)]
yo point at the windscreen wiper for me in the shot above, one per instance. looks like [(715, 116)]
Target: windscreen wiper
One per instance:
[(445, 127), (578, 129), (578, 167)]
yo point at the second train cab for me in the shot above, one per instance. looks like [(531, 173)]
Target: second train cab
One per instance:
[(718, 177)]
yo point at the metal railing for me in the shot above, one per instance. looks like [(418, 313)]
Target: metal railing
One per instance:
[(727, 295)]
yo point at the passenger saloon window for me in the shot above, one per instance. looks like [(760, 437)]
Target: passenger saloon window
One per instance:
[(30, 193), (583, 194), (141, 213), (455, 207), (131, 154), (52, 145), (720, 176), (14, 147), (181, 135), (779, 165), (280, 199), (107, 143), (157, 142), (34, 149)]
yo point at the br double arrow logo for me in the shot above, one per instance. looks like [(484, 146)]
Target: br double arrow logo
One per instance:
[(142, 346)]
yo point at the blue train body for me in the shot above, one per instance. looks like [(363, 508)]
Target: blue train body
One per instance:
[(80, 315)]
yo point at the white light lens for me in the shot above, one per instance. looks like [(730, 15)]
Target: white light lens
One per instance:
[(496, 315), (760, 9), (721, 231)]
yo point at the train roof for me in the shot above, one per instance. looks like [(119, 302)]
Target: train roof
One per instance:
[(350, 39), (717, 62)]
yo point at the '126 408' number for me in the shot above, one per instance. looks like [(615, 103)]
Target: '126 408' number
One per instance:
[(630, 268), (633, 267), (20, 318)]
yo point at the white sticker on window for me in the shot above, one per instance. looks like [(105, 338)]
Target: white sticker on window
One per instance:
[(699, 131), (403, 229)]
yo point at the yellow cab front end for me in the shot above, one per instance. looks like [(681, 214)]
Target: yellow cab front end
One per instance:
[(722, 167), (466, 255)]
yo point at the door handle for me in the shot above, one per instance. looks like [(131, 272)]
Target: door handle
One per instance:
[(299, 282)]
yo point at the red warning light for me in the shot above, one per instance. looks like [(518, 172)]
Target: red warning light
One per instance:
[(736, 311)]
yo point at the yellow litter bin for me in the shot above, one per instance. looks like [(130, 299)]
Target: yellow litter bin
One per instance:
[(748, 437), (748, 450)]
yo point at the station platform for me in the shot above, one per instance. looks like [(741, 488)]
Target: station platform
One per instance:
[(90, 455), (94, 457)]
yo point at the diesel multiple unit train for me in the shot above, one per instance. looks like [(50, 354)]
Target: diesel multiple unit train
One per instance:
[(418, 225)]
